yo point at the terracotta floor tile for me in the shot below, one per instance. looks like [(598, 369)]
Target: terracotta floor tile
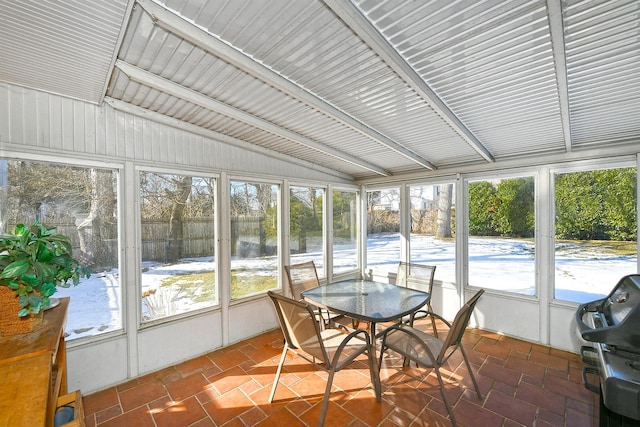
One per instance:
[(364, 406), (521, 383), (107, 414), (227, 359), (500, 373), (470, 414), (228, 406), (512, 408), (101, 400), (229, 379), (139, 417), (527, 367), (192, 366), (335, 416), (281, 418), (180, 414), (186, 387), (141, 395), (253, 416)]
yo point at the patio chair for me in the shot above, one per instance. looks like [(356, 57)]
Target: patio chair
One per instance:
[(420, 277), (329, 349), (429, 351), (304, 276), (301, 277)]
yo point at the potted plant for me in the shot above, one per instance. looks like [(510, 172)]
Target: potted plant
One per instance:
[(34, 261)]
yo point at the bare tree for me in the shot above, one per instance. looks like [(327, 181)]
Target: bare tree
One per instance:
[(443, 223), (179, 199), (94, 230)]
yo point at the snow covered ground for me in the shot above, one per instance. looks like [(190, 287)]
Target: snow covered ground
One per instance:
[(496, 263)]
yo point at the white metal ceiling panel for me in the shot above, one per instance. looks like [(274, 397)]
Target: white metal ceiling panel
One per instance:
[(490, 61), (60, 47), (365, 87), (603, 62), (304, 41), (176, 60)]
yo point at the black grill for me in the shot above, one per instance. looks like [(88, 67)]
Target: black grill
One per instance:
[(612, 325)]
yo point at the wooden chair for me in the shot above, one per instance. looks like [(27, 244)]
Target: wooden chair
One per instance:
[(429, 351), (329, 349), (420, 277)]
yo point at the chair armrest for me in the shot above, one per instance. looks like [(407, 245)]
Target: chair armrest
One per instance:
[(408, 331), (429, 313), (345, 341)]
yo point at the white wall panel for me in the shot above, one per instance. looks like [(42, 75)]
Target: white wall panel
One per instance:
[(563, 328), (251, 316), (32, 119), (97, 366), (509, 315), (40, 124), (170, 343)]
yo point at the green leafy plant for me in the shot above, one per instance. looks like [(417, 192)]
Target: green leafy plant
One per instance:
[(34, 261)]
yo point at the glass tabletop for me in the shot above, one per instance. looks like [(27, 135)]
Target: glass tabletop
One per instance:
[(367, 300)]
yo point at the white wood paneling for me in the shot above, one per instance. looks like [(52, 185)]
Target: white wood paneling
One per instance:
[(98, 365), (248, 317), (176, 341), (37, 120), (564, 332), (508, 314)]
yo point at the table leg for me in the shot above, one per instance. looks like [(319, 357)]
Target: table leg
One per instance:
[(377, 386)]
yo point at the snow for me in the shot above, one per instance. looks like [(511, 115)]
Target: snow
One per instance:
[(495, 263)]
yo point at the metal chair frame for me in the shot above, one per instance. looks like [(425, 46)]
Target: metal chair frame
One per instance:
[(332, 348), (432, 352), (304, 276), (420, 277)]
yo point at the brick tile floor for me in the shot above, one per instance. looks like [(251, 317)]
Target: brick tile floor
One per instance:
[(522, 384)]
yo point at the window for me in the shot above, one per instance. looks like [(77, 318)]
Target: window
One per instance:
[(501, 231), (81, 203), (432, 239), (383, 230), (596, 230), (254, 238), (345, 231), (177, 222), (306, 226)]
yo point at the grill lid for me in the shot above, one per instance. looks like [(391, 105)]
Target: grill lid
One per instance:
[(617, 317)]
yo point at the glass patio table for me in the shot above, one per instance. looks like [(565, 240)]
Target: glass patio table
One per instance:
[(366, 300)]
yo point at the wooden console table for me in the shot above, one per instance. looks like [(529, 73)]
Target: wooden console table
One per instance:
[(33, 368)]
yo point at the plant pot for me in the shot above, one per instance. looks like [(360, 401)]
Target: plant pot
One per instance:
[(10, 323)]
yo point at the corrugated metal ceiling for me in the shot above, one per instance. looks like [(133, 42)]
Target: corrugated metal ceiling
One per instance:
[(368, 88)]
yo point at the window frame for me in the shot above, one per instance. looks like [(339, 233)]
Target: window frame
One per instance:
[(586, 166), (282, 187), (464, 268), (118, 169), (143, 324)]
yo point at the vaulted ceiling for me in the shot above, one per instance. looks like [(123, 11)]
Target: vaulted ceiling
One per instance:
[(368, 88)]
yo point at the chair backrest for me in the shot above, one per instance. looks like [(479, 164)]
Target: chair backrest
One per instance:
[(460, 323), (299, 325), (416, 276), (301, 277)]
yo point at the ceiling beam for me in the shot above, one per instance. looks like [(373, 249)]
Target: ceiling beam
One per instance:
[(556, 28), (203, 39), (354, 18), (125, 107), (167, 86)]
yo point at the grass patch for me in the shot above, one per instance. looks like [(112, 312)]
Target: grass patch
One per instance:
[(615, 247), (243, 284), (199, 287)]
